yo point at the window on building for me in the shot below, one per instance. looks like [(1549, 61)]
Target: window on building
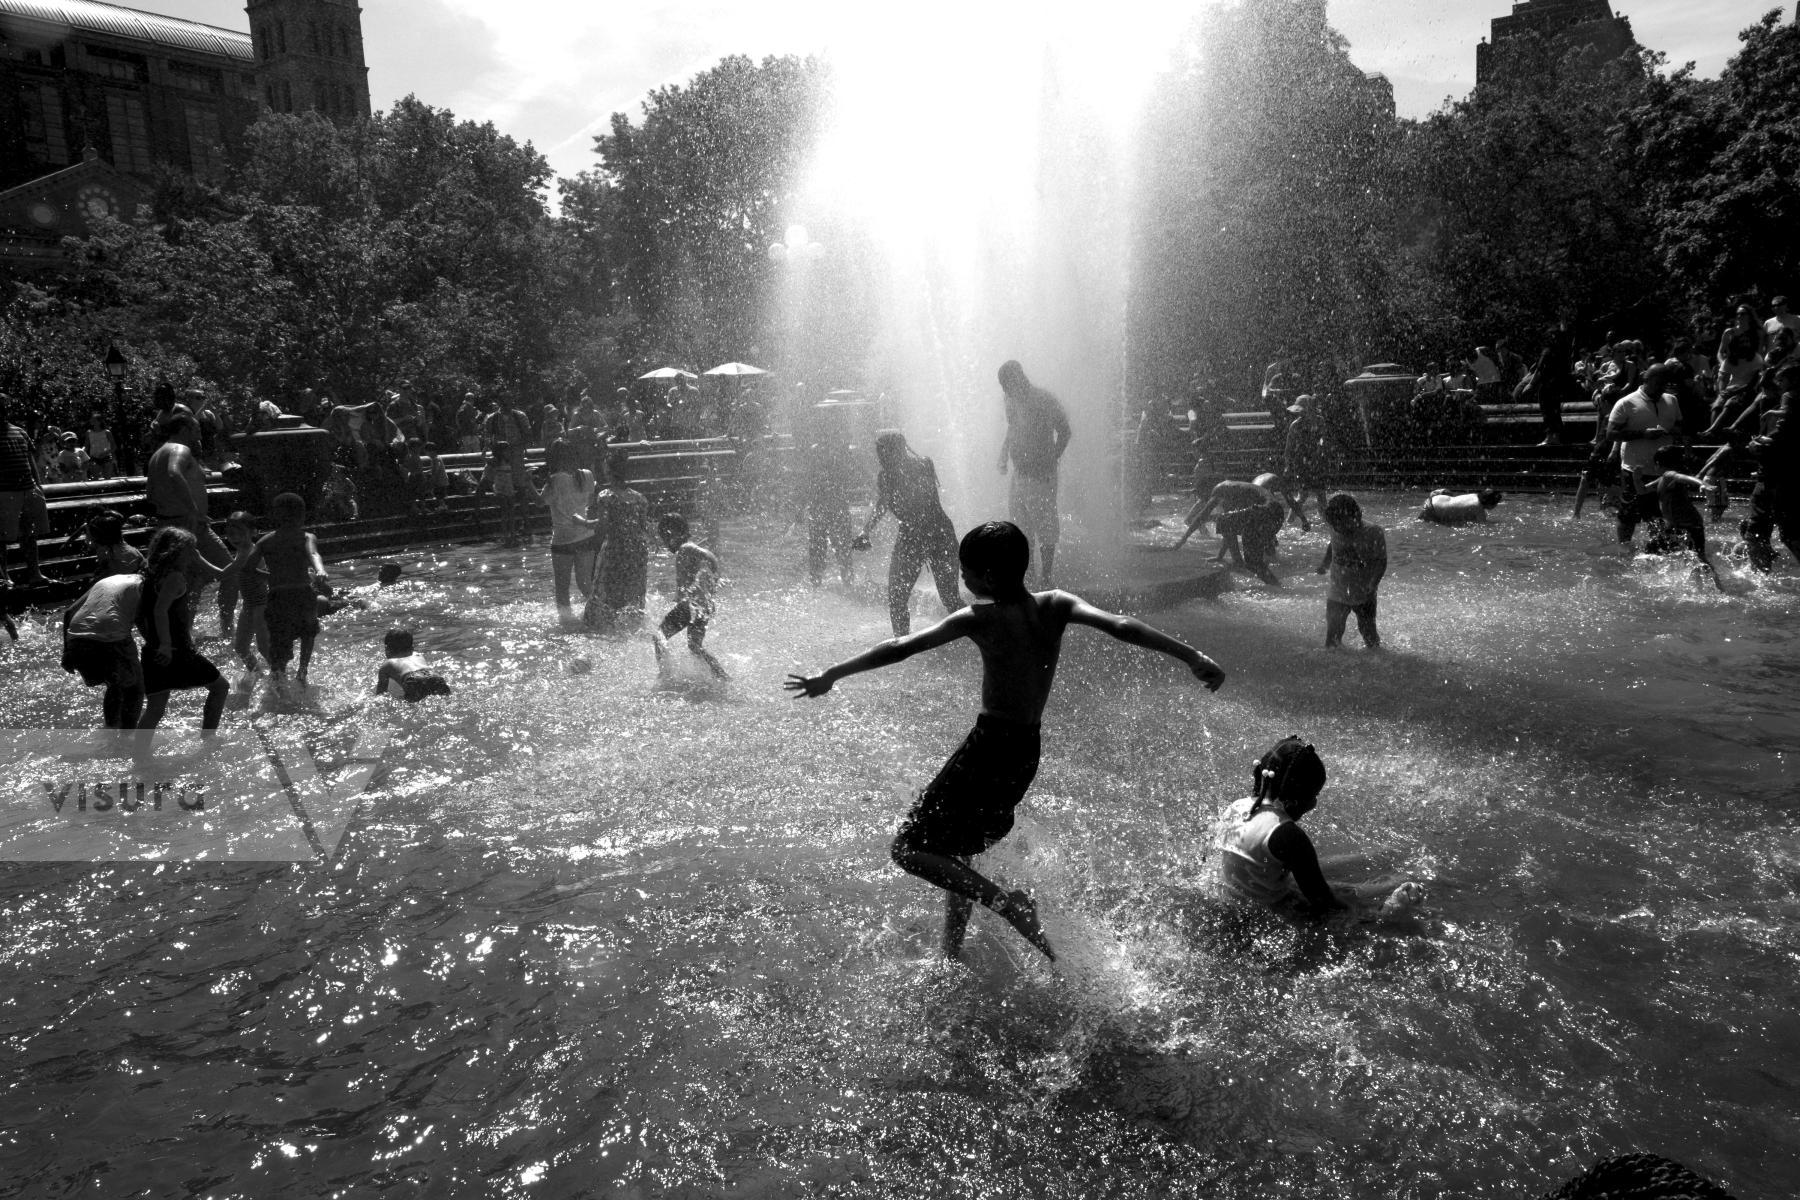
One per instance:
[(269, 94), (287, 96), (117, 64), (281, 37), (312, 36), (45, 138), (196, 78), (206, 143), (129, 131), (266, 38)]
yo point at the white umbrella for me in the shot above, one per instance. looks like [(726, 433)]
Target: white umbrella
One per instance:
[(736, 368), (669, 373)]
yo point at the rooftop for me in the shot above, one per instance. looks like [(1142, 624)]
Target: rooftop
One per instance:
[(90, 16)]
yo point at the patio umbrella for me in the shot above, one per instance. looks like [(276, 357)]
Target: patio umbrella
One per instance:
[(736, 368), (669, 373)]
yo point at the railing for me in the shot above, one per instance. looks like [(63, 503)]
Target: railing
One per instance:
[(674, 475)]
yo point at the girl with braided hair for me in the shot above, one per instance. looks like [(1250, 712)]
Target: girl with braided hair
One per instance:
[(1264, 855)]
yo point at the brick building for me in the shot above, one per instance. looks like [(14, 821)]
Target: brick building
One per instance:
[(95, 97), (142, 89), (1539, 33)]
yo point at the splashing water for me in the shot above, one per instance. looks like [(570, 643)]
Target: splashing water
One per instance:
[(594, 932), (971, 190)]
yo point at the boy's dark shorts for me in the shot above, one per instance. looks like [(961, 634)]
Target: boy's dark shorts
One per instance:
[(102, 663), (292, 614), (1258, 523), (969, 806), (185, 669), (689, 616), (416, 685)]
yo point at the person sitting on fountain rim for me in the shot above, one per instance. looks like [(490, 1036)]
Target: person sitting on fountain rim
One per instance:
[(1266, 858), (969, 806)]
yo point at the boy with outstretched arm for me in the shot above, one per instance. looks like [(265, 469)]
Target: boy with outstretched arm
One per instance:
[(969, 806)]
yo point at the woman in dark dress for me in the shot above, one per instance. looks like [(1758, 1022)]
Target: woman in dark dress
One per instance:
[(166, 622), (907, 486)]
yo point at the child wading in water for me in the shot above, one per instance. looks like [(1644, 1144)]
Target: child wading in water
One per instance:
[(252, 632), (696, 577), (1266, 858), (1357, 559), (296, 580), (969, 806)]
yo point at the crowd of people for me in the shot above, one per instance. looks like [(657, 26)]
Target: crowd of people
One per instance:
[(131, 632)]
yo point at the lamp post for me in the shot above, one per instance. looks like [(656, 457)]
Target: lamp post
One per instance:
[(115, 368)]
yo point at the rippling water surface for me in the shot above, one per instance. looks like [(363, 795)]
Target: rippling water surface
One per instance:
[(604, 935)]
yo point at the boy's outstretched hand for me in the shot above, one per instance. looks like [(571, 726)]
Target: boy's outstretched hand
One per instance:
[(1210, 673), (807, 685)]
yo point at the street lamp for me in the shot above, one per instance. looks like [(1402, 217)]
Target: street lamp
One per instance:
[(115, 368)]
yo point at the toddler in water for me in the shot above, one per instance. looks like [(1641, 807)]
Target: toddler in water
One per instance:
[(106, 538), (252, 633), (404, 675), (1357, 559), (1266, 858), (696, 578)]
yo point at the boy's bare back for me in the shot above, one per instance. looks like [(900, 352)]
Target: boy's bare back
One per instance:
[(289, 553), (1020, 643)]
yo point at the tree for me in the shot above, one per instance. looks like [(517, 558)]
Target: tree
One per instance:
[(1523, 218), (1263, 224), (412, 246), (1718, 166), (684, 206)]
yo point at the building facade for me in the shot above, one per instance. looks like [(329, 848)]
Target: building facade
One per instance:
[(142, 90), (309, 57), (1538, 33)]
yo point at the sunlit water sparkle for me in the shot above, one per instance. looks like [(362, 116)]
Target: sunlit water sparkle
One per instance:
[(603, 934)]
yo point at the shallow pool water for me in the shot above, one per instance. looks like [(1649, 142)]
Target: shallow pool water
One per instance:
[(610, 934)]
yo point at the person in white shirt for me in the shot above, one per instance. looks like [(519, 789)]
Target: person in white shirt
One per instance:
[(1266, 859), (573, 540), (1640, 423)]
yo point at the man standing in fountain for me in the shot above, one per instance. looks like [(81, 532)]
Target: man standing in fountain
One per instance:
[(1037, 433)]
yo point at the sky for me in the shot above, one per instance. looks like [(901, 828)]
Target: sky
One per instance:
[(552, 72)]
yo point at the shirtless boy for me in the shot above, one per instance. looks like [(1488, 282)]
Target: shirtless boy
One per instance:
[(969, 806), (696, 579), (296, 578)]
